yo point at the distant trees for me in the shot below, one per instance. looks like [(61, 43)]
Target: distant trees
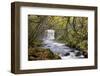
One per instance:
[(68, 29)]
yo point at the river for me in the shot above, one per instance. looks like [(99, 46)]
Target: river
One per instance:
[(61, 49)]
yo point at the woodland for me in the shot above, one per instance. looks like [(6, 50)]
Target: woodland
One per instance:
[(70, 30)]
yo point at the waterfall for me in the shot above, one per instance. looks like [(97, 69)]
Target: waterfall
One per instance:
[(50, 34), (61, 49)]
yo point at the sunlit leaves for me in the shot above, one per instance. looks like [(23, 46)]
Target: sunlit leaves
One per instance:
[(71, 30)]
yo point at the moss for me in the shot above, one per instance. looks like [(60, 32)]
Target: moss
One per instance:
[(41, 54), (35, 43), (57, 56)]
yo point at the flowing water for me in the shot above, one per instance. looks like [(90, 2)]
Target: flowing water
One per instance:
[(63, 51)]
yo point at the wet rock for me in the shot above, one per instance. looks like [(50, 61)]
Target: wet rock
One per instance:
[(85, 55), (67, 54), (78, 54), (72, 51)]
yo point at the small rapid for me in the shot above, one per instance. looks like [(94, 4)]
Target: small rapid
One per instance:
[(61, 49)]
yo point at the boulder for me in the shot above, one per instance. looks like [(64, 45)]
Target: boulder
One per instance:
[(78, 54), (67, 54), (41, 54)]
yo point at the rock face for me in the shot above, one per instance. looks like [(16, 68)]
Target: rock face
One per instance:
[(41, 54)]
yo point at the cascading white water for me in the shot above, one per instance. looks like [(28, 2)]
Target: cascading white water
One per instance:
[(50, 34), (56, 47)]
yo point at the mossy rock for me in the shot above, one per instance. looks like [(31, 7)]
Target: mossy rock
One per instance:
[(41, 54)]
